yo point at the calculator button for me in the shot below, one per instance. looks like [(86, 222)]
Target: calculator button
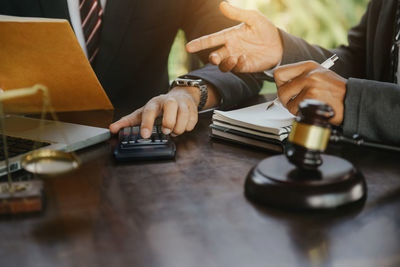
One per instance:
[(132, 139), (125, 140), (135, 130), (163, 138), (144, 140), (127, 131)]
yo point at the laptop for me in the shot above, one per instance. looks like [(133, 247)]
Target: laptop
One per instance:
[(23, 133)]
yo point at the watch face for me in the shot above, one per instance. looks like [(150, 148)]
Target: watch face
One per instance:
[(194, 83), (189, 82), (180, 82)]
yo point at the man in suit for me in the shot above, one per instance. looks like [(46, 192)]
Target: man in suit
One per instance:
[(362, 86), (131, 56)]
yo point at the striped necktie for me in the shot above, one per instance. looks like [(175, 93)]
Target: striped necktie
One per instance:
[(91, 16), (396, 46)]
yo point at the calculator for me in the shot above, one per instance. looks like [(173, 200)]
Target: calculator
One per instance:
[(132, 146)]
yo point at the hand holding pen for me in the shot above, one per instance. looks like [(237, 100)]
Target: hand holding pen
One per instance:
[(310, 80), (327, 64)]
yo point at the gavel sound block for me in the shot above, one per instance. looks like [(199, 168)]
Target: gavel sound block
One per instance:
[(304, 178)]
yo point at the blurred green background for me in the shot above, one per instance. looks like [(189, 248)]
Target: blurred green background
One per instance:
[(322, 22)]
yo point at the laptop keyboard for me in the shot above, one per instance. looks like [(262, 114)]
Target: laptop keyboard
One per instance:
[(17, 146)]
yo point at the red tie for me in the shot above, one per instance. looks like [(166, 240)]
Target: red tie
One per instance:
[(91, 16)]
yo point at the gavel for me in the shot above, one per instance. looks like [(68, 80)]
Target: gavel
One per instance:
[(305, 177), (310, 134)]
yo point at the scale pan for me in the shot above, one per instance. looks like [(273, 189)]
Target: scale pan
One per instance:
[(48, 162)]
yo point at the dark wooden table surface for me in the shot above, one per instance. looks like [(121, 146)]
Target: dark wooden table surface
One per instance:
[(192, 212)]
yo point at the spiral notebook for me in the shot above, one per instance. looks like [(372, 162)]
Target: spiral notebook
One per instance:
[(257, 125)]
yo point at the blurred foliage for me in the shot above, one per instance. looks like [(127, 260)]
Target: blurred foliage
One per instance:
[(178, 58), (322, 22)]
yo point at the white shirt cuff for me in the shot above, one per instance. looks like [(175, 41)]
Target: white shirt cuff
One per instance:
[(270, 72)]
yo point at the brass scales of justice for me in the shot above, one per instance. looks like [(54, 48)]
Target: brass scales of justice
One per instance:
[(28, 196)]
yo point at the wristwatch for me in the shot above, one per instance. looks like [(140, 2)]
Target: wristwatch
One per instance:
[(189, 82)]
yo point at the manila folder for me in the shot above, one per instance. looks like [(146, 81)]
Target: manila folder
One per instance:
[(46, 51)]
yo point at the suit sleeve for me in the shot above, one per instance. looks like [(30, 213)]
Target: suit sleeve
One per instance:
[(371, 108), (203, 17)]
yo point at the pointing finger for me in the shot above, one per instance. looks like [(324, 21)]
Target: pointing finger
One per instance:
[(129, 120), (208, 41)]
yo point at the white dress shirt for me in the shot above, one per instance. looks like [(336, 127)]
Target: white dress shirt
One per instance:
[(75, 15)]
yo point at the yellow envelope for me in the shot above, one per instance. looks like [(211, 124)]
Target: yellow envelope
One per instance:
[(46, 51)]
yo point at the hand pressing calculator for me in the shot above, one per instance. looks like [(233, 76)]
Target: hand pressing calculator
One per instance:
[(132, 146)]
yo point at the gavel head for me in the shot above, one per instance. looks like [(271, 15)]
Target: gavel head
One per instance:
[(310, 134)]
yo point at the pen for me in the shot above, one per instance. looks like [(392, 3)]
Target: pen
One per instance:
[(327, 64)]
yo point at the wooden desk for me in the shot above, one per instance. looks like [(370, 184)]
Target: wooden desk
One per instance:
[(192, 212)]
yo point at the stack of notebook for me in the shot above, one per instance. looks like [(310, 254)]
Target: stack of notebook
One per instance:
[(261, 125)]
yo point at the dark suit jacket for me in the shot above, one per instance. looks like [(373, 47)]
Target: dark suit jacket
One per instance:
[(372, 102), (136, 39)]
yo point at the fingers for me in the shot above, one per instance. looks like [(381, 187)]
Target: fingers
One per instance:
[(250, 17), (193, 117), (224, 60), (208, 41), (219, 55), (324, 95), (309, 80), (182, 119), (291, 89), (228, 64), (238, 14), (130, 120), (179, 116), (170, 111), (288, 72), (293, 104), (150, 112), (241, 64)]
